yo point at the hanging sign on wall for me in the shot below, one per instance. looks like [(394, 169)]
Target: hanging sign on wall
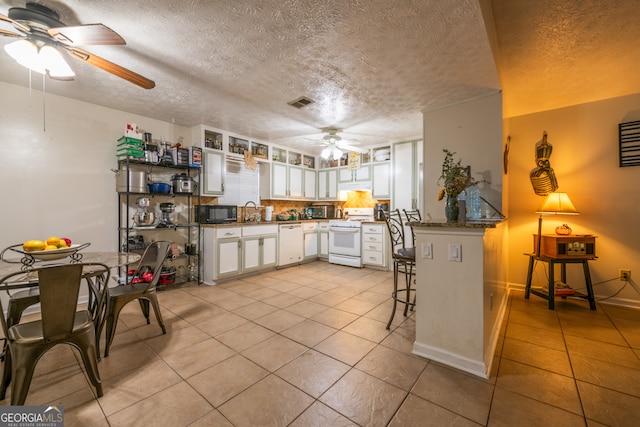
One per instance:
[(354, 161)]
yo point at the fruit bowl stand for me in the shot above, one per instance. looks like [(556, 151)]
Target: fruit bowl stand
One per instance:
[(28, 259)]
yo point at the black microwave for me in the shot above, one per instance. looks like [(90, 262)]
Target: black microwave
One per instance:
[(216, 214)]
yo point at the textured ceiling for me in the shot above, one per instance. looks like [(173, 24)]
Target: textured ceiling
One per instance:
[(556, 53), (372, 66)]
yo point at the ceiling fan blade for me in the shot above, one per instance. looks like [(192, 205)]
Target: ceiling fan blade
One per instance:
[(110, 67), (16, 24), (60, 78), (348, 147), (83, 35), (10, 34)]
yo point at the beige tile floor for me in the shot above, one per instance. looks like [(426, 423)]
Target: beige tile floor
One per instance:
[(307, 346)]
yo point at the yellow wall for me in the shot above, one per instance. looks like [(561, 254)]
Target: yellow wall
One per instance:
[(585, 161)]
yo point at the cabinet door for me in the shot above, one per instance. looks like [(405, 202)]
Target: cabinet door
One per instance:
[(214, 170), (250, 253), (270, 250), (278, 180), (309, 184), (328, 184), (323, 191), (295, 182), (405, 173), (228, 262), (381, 187), (332, 184), (345, 175), (310, 245), (324, 244), (363, 174)]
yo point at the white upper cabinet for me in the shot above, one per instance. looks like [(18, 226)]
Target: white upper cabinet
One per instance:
[(213, 172), (406, 159), (328, 184), (381, 182), (310, 184)]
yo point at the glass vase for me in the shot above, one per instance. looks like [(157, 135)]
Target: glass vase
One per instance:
[(451, 209)]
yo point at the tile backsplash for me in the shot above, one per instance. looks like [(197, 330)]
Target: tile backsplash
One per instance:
[(354, 199)]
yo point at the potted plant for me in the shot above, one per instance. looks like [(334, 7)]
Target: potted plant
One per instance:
[(455, 178)]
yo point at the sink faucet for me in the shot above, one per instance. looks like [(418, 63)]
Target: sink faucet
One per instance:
[(252, 217)]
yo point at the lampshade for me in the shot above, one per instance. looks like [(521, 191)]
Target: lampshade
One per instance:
[(557, 203), (331, 152), (47, 58), (52, 61)]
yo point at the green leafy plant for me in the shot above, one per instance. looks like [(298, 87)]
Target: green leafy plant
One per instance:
[(455, 177)]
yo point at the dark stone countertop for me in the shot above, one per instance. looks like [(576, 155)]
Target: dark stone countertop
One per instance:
[(466, 224)]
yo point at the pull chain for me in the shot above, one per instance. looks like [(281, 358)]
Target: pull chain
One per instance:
[(44, 104)]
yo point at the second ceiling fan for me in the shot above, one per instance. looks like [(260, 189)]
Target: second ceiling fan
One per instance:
[(335, 145)]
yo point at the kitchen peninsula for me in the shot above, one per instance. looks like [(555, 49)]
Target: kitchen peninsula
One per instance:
[(461, 292)]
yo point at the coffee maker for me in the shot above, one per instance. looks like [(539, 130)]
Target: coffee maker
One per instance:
[(379, 211)]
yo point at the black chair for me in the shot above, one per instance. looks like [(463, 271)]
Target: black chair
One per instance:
[(404, 261), (412, 216), (144, 292), (60, 323)]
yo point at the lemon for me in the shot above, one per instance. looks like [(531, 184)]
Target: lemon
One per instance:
[(53, 241), (62, 244), (50, 248), (33, 245)]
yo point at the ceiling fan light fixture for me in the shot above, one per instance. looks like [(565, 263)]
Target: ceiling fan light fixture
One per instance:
[(326, 153), (336, 152), (25, 53), (52, 60)]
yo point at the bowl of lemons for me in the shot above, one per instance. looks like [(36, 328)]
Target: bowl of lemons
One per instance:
[(51, 249)]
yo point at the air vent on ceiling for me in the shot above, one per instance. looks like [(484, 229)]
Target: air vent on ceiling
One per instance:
[(303, 101)]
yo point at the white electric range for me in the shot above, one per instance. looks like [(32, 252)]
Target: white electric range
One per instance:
[(345, 237)]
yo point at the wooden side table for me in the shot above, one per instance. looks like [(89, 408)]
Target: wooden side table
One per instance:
[(552, 261)]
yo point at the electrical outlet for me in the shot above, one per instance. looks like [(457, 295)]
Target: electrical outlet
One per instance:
[(625, 274)]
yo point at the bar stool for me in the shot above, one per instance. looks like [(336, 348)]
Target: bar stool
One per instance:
[(404, 261), (412, 216)]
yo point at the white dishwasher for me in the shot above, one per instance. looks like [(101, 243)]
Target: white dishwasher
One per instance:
[(290, 244)]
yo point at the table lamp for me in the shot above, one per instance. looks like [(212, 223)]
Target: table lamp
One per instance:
[(554, 204)]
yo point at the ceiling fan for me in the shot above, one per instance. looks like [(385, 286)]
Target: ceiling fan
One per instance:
[(42, 36), (334, 144)]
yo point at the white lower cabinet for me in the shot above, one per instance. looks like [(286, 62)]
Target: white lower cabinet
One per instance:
[(221, 253), (259, 247), (230, 251), (310, 235), (374, 245), (323, 240)]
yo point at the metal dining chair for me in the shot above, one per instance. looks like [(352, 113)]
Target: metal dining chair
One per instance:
[(404, 261), (61, 323), (412, 216), (144, 292)]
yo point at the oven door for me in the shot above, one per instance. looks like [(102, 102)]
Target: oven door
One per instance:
[(344, 241)]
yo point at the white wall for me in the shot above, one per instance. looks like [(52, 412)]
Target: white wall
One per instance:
[(585, 161), (473, 130), (59, 181)]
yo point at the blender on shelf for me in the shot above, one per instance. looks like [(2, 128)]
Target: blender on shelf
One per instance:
[(166, 220)]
